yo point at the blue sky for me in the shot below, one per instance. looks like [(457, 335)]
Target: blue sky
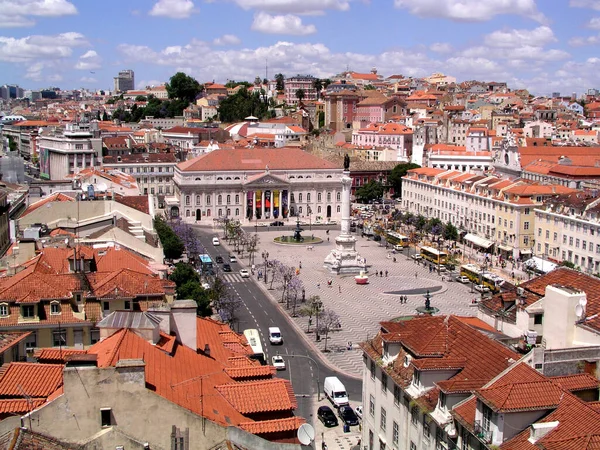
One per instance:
[(540, 45)]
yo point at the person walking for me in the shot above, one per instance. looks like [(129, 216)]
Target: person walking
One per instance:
[(416, 275), (340, 288), (381, 274), (386, 273)]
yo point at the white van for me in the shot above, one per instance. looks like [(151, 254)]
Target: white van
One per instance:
[(335, 391), (275, 336), (216, 241)]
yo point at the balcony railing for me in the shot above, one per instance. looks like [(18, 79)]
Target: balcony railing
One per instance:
[(481, 433)]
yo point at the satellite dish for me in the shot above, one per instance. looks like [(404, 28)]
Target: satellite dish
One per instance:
[(583, 301), (579, 311), (306, 434), (66, 241)]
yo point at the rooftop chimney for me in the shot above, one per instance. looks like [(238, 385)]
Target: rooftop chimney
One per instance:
[(538, 430), (207, 350), (183, 314)]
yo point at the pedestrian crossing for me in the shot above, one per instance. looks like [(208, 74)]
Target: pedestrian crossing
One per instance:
[(231, 277)]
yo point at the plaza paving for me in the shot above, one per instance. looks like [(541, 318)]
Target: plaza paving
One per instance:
[(362, 307)]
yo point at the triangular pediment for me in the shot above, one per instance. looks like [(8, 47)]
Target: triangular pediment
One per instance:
[(265, 179)]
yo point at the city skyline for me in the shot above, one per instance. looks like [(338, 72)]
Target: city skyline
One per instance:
[(541, 46)]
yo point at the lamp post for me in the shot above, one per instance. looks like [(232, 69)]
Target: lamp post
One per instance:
[(309, 212), (318, 372), (266, 258), (318, 305)]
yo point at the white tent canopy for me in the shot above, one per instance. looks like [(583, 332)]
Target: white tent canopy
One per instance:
[(540, 265), (479, 241)]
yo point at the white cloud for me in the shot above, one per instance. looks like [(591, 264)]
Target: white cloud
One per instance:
[(295, 6), (594, 23), (288, 24), (44, 71), (594, 4), (440, 47), (40, 47), (538, 37), (471, 10), (88, 80), (90, 60), (227, 39), (174, 9), (16, 13), (579, 41)]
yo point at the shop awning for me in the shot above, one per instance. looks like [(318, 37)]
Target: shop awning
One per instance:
[(479, 241), (526, 252), (506, 248)]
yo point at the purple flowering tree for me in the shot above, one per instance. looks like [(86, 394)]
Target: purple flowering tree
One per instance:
[(328, 320), (293, 292)]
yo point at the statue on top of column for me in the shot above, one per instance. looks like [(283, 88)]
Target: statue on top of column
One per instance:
[(346, 162)]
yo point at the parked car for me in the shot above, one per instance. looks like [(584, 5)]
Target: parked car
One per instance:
[(232, 259), (482, 288), (326, 415), (278, 362), (462, 279), (348, 415), (219, 259), (359, 411), (226, 268), (277, 223), (416, 256), (245, 273), (398, 248)]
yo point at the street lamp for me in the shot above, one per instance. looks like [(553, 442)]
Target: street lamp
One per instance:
[(309, 211), (318, 305)]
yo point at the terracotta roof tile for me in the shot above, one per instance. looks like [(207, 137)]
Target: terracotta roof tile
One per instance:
[(577, 382), (19, 406), (139, 202), (247, 372), (521, 396), (259, 396), (9, 339), (31, 379), (55, 355), (245, 159), (272, 426)]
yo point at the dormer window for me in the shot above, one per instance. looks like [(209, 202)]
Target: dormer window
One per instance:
[(442, 400), (55, 308), (4, 309), (417, 377), (28, 311)]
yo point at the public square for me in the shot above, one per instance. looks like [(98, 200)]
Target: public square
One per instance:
[(362, 307)]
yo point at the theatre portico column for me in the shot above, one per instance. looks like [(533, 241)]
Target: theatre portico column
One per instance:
[(262, 204)]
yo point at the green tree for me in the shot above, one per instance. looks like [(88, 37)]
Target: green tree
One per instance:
[(326, 82), (193, 290), (450, 232), (173, 247), (12, 145), (183, 87), (369, 87), (318, 85), (395, 177), (280, 82), (243, 104), (183, 273), (420, 223), (140, 98), (373, 190), (300, 94), (104, 116), (321, 119)]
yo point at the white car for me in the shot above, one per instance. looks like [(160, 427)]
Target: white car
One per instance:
[(216, 241), (278, 362), (482, 288), (359, 412), (462, 279), (416, 256), (245, 273), (232, 259)]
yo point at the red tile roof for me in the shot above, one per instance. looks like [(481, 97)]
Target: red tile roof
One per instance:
[(245, 159), (139, 202), (272, 426), (31, 380), (9, 339), (259, 396), (577, 382), (55, 355)]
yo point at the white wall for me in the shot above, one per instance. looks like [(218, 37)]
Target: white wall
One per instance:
[(559, 316)]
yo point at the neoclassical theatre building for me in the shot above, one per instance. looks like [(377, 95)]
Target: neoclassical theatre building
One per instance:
[(257, 184)]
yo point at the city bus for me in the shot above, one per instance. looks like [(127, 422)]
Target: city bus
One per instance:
[(206, 263), (253, 339), (479, 276), (433, 255), (396, 239)]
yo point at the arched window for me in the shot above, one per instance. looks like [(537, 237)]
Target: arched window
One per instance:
[(187, 200), (299, 209), (292, 176), (328, 176), (208, 199), (300, 197), (4, 311), (328, 197), (220, 212), (318, 210), (339, 208), (228, 178), (55, 308), (228, 212), (228, 199), (208, 212), (187, 213), (236, 178), (219, 178), (197, 179), (308, 197), (237, 211), (219, 199), (338, 196), (300, 176), (237, 199), (319, 197), (197, 199)]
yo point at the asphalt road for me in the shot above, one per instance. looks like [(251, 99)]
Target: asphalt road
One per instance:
[(303, 367)]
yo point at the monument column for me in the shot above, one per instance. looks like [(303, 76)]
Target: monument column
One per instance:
[(346, 188)]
